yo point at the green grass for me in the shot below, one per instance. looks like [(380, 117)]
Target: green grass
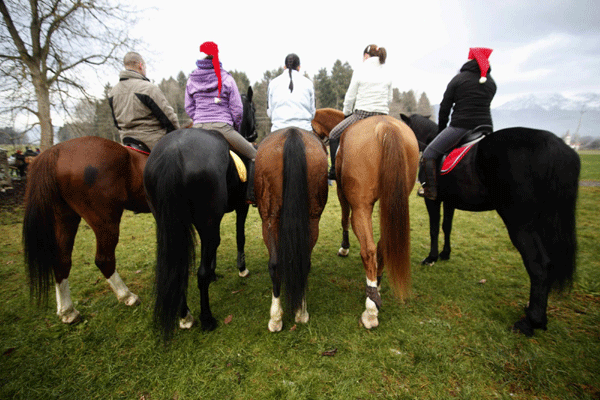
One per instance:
[(591, 165), (450, 340)]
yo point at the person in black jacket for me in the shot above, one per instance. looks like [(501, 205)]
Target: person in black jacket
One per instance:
[(469, 95)]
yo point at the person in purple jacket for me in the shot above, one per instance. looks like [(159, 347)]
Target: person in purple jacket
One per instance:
[(213, 102)]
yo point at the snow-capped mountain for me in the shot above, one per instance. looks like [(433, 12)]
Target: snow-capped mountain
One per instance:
[(578, 114), (554, 101)]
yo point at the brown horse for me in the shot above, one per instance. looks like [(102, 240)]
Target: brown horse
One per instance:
[(291, 192), (377, 160), (90, 178)]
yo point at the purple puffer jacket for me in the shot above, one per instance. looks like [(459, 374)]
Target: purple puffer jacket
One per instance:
[(202, 103)]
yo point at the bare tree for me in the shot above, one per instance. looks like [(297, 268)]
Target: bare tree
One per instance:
[(48, 50)]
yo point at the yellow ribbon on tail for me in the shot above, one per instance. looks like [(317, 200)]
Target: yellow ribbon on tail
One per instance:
[(239, 165)]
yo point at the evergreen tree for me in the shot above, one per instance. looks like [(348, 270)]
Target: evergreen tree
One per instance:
[(423, 106), (324, 91), (341, 75)]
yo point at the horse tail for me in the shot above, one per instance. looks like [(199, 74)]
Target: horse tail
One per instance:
[(175, 238), (39, 223), (394, 245), (293, 249), (557, 218)]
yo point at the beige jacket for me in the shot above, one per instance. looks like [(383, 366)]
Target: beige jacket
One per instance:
[(140, 110)]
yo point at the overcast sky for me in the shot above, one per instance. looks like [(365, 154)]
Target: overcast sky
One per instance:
[(539, 46)]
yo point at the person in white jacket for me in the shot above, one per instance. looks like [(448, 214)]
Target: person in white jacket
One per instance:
[(291, 98), (369, 94)]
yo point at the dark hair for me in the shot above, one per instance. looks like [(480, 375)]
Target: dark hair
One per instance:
[(292, 61), (374, 51)]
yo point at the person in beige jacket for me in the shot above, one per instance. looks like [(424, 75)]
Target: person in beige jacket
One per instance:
[(139, 108)]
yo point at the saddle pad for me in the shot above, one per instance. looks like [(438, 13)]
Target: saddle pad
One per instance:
[(239, 165), (454, 158)]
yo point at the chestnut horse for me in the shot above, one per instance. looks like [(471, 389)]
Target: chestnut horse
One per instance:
[(90, 178), (377, 159), (291, 192)]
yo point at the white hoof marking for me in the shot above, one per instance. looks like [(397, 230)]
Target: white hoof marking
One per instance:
[(276, 323), (187, 322), (369, 316), (342, 252), (302, 315), (244, 273)]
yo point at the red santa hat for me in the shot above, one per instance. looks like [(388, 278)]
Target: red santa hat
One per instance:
[(211, 49), (481, 54)]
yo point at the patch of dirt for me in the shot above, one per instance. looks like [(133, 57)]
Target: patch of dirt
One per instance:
[(13, 198)]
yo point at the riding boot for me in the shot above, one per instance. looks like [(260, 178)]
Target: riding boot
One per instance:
[(333, 146), (429, 166), (250, 197)]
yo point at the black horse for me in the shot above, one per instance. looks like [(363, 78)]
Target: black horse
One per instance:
[(530, 177), (192, 181)]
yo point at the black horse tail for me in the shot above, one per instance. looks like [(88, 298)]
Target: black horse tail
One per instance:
[(393, 203), (293, 252), (557, 220), (175, 240), (39, 235)]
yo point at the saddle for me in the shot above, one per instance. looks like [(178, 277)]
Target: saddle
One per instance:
[(451, 160), (136, 145)]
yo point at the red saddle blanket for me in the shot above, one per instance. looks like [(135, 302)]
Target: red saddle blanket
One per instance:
[(454, 158)]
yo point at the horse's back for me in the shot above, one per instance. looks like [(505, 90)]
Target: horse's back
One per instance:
[(269, 169), (363, 142)]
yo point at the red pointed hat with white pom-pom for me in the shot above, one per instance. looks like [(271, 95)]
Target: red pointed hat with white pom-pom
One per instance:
[(211, 49), (481, 54)]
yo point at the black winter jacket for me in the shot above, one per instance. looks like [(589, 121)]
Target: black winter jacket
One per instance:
[(470, 98)]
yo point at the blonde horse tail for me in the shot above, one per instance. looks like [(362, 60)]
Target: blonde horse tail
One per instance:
[(394, 245)]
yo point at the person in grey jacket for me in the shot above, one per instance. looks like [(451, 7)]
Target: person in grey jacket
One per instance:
[(140, 109)]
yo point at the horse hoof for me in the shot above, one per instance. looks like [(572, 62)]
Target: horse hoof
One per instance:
[(427, 262), (342, 252), (275, 326), (209, 324), (444, 256), (187, 322), (523, 326), (132, 300), (70, 316), (368, 320), (302, 318), (244, 273)]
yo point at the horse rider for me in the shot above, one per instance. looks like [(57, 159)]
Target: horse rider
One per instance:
[(213, 102), (139, 108), (291, 98), (469, 95), (370, 93)]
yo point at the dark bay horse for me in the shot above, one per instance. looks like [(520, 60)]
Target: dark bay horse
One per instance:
[(291, 192), (191, 181), (377, 159), (90, 178), (531, 178)]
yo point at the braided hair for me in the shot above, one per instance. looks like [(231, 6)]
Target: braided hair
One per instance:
[(292, 61)]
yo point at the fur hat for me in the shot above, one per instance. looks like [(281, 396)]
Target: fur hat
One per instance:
[(481, 54)]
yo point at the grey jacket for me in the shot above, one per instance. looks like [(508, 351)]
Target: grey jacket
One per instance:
[(140, 109)]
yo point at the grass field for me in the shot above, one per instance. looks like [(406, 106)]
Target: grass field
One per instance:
[(451, 339)]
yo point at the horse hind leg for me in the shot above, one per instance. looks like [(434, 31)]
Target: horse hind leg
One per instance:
[(537, 262), (107, 237), (67, 224), (345, 246), (276, 310), (363, 228)]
